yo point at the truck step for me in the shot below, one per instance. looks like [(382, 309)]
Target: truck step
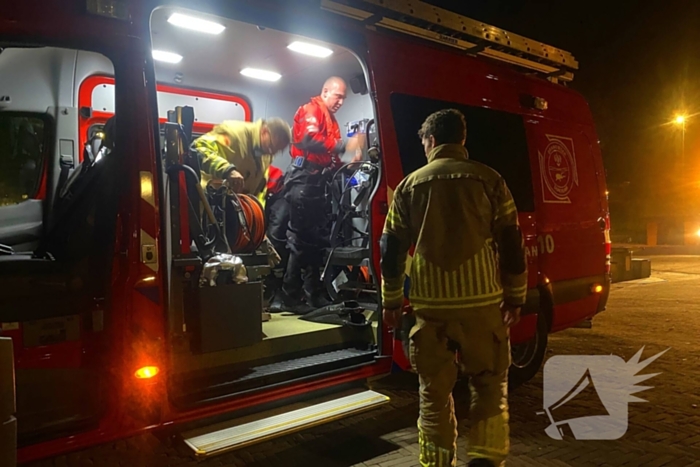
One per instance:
[(206, 443)]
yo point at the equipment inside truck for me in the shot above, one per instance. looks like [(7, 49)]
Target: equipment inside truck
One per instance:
[(224, 338)]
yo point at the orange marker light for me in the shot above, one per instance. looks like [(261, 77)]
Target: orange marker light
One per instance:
[(147, 372), (597, 288)]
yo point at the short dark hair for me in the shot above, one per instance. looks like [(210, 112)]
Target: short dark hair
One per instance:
[(447, 126), (279, 130)]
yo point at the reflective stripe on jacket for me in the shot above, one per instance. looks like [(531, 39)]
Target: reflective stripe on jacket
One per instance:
[(462, 219)]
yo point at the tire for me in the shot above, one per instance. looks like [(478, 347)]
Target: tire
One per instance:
[(527, 357)]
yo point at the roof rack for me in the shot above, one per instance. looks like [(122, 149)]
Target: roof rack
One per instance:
[(439, 25)]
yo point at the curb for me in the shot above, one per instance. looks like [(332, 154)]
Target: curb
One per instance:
[(623, 267)]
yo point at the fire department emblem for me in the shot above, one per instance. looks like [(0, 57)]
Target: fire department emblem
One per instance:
[(558, 169)]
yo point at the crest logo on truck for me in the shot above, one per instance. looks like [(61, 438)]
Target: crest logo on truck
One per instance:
[(558, 169)]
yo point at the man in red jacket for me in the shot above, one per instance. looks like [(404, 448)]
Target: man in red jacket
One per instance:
[(316, 154)]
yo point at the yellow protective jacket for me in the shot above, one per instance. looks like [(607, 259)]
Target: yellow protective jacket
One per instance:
[(462, 220), (234, 145)]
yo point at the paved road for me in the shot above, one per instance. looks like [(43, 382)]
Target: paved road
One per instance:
[(659, 313)]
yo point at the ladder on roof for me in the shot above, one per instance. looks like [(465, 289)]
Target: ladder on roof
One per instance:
[(439, 25)]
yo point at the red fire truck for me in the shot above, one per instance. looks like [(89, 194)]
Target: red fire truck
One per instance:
[(115, 332)]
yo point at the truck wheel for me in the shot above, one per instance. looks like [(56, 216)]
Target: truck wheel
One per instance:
[(527, 357)]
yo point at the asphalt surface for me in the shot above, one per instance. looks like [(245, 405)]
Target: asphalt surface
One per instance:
[(656, 314)]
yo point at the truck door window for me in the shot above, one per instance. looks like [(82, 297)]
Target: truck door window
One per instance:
[(494, 138), (22, 156)]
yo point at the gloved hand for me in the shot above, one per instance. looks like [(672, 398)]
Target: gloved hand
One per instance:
[(235, 181), (308, 144), (273, 257), (511, 314)]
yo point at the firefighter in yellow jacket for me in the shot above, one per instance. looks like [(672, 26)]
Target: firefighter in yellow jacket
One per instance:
[(467, 285), (241, 152)]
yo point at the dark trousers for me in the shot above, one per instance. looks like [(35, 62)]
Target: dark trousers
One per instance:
[(307, 232), (277, 212)]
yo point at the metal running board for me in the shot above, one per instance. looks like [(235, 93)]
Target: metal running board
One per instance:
[(227, 439)]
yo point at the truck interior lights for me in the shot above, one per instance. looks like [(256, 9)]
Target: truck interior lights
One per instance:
[(195, 24), (310, 49), (167, 57), (264, 75)]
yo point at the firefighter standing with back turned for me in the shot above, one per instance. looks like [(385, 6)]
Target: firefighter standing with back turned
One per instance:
[(468, 283), (316, 154)]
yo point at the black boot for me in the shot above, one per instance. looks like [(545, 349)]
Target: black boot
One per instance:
[(282, 301), (316, 295), (277, 302), (318, 300)]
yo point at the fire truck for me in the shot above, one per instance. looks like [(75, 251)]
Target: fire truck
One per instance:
[(116, 326)]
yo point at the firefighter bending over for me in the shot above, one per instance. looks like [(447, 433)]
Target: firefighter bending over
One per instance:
[(241, 152), (316, 153), (468, 283)]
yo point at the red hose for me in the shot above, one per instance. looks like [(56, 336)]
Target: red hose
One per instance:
[(249, 236)]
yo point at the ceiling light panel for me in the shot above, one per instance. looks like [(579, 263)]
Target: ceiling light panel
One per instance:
[(264, 75), (310, 49), (167, 57), (195, 24)]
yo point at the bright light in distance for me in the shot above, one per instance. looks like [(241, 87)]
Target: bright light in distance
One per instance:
[(196, 24), (261, 74), (697, 233), (680, 119), (310, 49), (167, 57), (147, 372)]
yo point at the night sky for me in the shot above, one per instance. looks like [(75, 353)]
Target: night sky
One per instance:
[(639, 65)]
